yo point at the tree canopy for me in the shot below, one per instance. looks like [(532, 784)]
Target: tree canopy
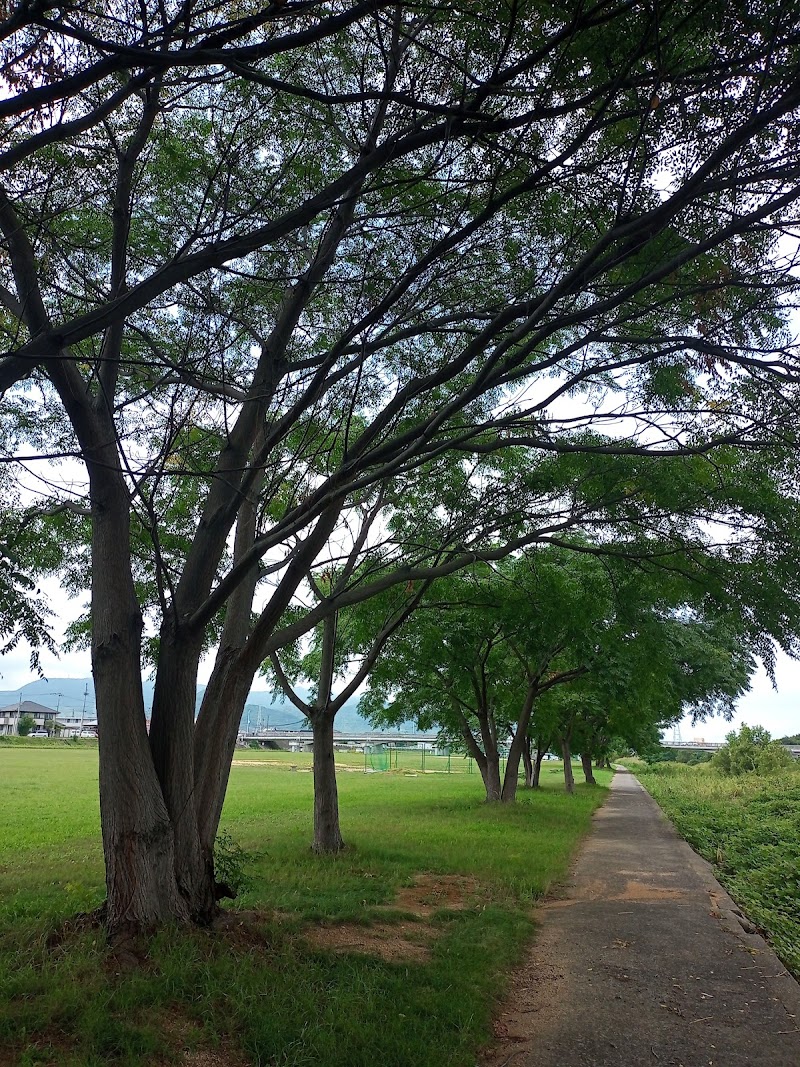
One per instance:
[(576, 648), (260, 260)]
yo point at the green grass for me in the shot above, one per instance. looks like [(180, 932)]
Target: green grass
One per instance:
[(748, 827), (411, 760), (259, 991)]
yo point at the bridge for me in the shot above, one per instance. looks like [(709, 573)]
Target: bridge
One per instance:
[(280, 737), (712, 746)]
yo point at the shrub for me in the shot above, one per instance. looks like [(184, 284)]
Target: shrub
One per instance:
[(750, 751)]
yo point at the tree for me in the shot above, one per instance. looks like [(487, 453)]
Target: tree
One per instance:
[(568, 646), (345, 645), (242, 249), (25, 724), (751, 751), (475, 659)]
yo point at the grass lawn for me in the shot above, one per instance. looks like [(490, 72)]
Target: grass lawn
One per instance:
[(395, 950), (748, 827)]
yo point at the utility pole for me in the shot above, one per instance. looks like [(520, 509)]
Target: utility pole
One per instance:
[(83, 709)]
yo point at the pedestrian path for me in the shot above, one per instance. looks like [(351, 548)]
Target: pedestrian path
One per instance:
[(644, 960)]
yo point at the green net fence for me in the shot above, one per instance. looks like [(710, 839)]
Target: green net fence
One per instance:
[(377, 757)]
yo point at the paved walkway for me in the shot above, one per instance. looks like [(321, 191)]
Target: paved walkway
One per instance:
[(644, 961)]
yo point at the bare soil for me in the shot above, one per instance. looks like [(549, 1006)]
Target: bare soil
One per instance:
[(406, 940)]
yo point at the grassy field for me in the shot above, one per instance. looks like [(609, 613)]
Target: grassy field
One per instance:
[(749, 829), (395, 950), (411, 759)]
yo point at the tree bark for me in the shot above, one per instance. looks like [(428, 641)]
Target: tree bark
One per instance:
[(491, 778), (566, 754), (518, 745), (138, 840), (586, 763), (216, 731), (489, 766), (327, 834), (172, 727), (537, 766), (241, 652), (527, 763)]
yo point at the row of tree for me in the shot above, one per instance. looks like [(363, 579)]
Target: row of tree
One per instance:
[(560, 648), (311, 303)]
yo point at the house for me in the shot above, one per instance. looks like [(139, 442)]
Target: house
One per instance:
[(43, 717)]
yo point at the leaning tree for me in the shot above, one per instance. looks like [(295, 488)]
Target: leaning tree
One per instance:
[(258, 260)]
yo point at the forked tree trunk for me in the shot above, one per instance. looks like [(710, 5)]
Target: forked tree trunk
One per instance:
[(242, 650), (586, 763), (491, 779), (327, 834), (216, 730), (487, 758), (537, 766), (519, 745), (138, 841), (489, 766), (172, 743), (566, 755), (527, 763)]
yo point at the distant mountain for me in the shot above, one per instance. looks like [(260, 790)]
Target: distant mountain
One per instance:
[(65, 694), (262, 709)]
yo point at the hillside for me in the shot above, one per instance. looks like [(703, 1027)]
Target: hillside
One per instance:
[(262, 709)]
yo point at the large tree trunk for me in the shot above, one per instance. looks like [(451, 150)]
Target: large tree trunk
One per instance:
[(518, 746), (491, 778), (566, 754), (489, 766), (216, 731), (172, 743), (327, 834), (241, 652), (225, 696), (586, 763), (138, 841), (511, 776)]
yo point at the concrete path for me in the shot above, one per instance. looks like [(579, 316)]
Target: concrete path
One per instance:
[(645, 961)]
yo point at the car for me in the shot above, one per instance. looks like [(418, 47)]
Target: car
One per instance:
[(88, 733), (38, 733)]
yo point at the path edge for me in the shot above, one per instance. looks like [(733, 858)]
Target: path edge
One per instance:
[(781, 983)]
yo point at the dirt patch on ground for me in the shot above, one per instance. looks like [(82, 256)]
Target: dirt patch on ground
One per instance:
[(294, 767), (433, 892), (633, 890), (400, 942), (206, 1058), (409, 940)]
